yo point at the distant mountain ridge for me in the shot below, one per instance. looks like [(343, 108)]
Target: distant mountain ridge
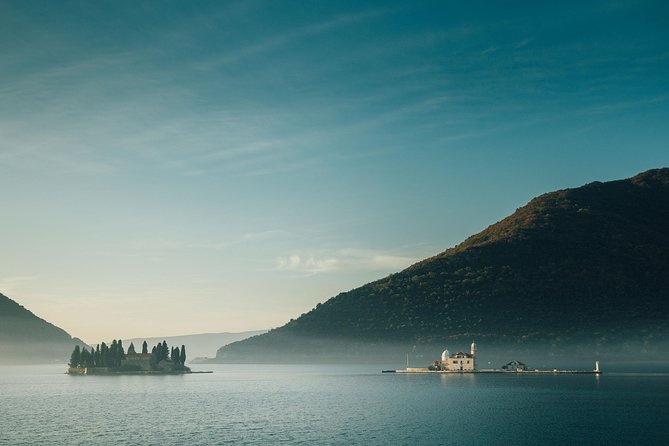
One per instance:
[(576, 271), (197, 345), (25, 337)]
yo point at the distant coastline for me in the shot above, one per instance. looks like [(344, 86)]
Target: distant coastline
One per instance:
[(499, 371), (82, 371)]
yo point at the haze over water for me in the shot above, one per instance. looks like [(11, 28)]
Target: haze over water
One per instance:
[(260, 404)]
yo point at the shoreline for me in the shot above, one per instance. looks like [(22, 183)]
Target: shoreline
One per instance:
[(497, 371), (72, 371)]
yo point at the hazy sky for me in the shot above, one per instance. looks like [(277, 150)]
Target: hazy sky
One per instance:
[(193, 166)]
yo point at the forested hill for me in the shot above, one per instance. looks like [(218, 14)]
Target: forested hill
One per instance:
[(25, 337), (578, 270)]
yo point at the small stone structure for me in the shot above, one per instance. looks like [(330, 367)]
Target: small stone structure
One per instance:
[(139, 361), (515, 366), (457, 362)]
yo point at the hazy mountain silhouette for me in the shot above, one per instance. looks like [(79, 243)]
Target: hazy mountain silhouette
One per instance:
[(574, 272), (197, 345), (25, 337)]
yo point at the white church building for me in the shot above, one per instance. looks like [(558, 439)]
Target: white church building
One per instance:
[(460, 361)]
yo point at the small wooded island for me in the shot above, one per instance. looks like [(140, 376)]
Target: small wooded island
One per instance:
[(112, 359)]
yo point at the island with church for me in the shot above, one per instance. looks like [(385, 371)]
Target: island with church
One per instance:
[(462, 362), (113, 359)]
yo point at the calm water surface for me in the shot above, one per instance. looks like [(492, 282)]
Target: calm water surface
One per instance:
[(243, 404)]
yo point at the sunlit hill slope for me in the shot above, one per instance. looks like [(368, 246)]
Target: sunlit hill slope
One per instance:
[(574, 272)]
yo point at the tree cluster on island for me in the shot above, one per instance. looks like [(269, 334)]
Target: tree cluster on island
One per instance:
[(114, 357), (160, 353)]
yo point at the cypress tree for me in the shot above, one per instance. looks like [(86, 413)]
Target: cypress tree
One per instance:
[(104, 355), (145, 348), (165, 350), (154, 357), (83, 359), (91, 359), (113, 353), (183, 355), (120, 354), (75, 358)]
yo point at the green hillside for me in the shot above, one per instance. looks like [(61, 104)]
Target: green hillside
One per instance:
[(578, 271), (25, 337)]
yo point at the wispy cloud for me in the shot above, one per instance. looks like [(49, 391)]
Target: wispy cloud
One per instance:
[(307, 265), (626, 105), (523, 43), (121, 138), (348, 259), (137, 248), (280, 40)]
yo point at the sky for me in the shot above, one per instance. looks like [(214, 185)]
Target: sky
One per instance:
[(175, 167)]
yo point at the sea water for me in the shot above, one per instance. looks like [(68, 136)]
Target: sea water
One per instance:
[(265, 405)]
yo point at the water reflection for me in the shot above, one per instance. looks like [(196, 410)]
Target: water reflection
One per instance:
[(459, 378)]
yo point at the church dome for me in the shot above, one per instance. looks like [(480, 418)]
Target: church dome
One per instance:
[(445, 355)]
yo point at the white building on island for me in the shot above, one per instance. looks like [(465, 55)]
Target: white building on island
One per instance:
[(460, 361)]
